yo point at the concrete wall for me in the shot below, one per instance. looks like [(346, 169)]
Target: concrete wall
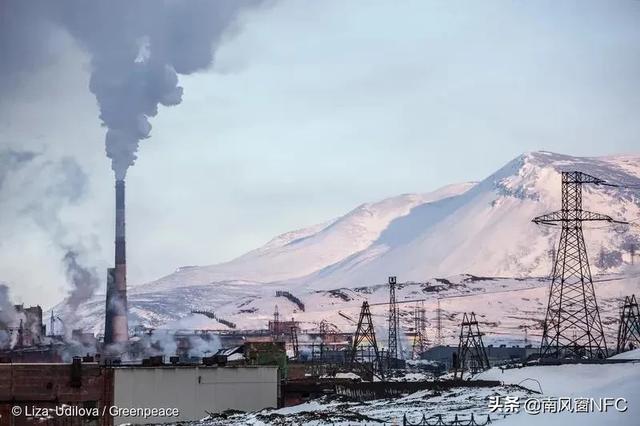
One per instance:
[(194, 390)]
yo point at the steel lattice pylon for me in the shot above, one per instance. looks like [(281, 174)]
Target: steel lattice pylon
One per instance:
[(392, 352), (439, 339), (572, 326), (366, 336), (420, 325), (471, 352), (629, 327)]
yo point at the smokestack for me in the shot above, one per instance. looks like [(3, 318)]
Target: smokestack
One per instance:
[(116, 328)]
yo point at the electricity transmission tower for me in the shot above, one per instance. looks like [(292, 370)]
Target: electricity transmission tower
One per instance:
[(365, 338), (438, 324), (392, 352), (420, 326), (572, 326), (328, 332), (629, 327), (471, 352)]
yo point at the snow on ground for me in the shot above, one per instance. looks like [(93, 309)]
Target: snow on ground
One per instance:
[(332, 410), (634, 354), (573, 381), (577, 380), (504, 306)]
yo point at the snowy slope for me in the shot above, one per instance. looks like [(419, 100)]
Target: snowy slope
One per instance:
[(567, 381), (301, 252), (487, 230), (577, 381), (482, 229)]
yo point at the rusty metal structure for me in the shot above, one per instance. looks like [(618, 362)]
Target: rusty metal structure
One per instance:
[(629, 326), (572, 326), (116, 329), (471, 355)]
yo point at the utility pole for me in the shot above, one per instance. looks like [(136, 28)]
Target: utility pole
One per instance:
[(572, 325)]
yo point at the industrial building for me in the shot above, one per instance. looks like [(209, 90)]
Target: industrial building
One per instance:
[(24, 328), (194, 390), (497, 354), (190, 391)]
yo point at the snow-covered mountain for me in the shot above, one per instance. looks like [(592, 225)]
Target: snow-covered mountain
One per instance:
[(483, 229), (487, 230), (302, 252)]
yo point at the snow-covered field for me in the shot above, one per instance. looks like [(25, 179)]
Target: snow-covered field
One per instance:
[(504, 306), (341, 411), (541, 383), (578, 381)]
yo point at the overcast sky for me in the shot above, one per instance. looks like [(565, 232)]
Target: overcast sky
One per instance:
[(312, 108)]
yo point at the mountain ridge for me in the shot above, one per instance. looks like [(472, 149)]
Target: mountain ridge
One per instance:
[(483, 229)]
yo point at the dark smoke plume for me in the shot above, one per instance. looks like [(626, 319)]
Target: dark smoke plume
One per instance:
[(137, 49)]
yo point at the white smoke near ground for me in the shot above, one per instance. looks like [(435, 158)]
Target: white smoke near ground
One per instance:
[(7, 317), (168, 343), (154, 343), (204, 345), (37, 190)]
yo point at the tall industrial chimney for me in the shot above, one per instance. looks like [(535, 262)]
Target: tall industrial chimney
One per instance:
[(116, 328)]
